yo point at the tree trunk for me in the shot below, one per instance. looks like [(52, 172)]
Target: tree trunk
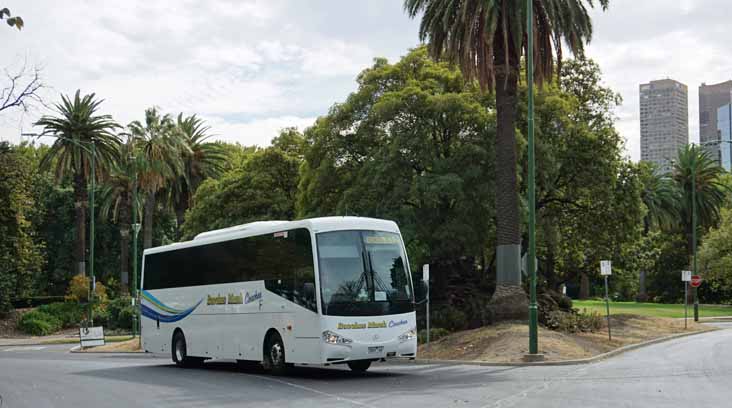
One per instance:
[(80, 205), (147, 224), (508, 234), (642, 295), (509, 302), (124, 242), (180, 212), (584, 292)]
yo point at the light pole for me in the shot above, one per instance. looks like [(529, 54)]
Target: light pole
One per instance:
[(693, 229), (530, 262), (93, 152), (135, 232)]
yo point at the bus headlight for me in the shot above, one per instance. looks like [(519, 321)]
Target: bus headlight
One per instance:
[(409, 335), (335, 338)]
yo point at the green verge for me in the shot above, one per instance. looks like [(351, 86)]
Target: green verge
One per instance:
[(108, 339), (652, 309)]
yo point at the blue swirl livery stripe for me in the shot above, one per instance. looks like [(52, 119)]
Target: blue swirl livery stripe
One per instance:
[(157, 310)]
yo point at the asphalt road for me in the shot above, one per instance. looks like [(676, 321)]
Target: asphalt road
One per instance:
[(694, 371)]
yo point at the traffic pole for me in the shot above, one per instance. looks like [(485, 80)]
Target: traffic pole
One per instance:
[(91, 232), (693, 224), (531, 261), (607, 309), (686, 303)]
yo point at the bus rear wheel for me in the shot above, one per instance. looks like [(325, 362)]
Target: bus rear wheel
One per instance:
[(274, 355), (359, 366)]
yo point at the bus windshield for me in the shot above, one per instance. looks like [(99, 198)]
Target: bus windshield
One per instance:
[(363, 273)]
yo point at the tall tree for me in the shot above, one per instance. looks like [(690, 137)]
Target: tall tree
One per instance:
[(161, 150), (660, 197), (201, 159), (20, 256), (693, 162), (487, 39), (76, 128), (116, 197), (262, 188)]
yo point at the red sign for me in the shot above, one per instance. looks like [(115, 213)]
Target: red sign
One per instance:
[(696, 281)]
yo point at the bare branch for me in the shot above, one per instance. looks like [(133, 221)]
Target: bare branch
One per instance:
[(22, 89)]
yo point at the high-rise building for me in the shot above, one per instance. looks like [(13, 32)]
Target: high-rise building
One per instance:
[(664, 121), (724, 135), (711, 98)]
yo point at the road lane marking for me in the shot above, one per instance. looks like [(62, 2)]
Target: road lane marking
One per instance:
[(313, 390), (20, 348)]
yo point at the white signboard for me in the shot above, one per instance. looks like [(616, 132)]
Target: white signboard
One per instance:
[(91, 336), (686, 276), (426, 272), (605, 268)]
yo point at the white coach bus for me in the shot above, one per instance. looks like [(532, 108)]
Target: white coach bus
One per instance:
[(316, 291)]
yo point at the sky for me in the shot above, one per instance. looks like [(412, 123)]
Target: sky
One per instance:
[(250, 68)]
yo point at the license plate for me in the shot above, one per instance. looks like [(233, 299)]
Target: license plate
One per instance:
[(377, 349)]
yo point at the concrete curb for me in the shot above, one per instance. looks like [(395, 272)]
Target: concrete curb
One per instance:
[(588, 360), (77, 350), (54, 343)]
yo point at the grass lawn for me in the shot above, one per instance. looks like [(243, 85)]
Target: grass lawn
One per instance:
[(108, 339), (651, 309)]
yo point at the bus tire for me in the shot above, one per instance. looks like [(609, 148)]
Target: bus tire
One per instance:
[(180, 352), (359, 366), (274, 354)]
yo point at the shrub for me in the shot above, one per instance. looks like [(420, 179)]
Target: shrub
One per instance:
[(36, 301), (573, 322), (68, 313), (35, 327), (435, 334), (39, 323), (78, 291), (449, 317), (120, 312)]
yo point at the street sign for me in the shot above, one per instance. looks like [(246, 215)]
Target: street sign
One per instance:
[(426, 272), (91, 336), (695, 281), (685, 276), (605, 268)]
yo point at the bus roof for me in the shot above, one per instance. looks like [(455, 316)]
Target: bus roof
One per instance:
[(316, 225)]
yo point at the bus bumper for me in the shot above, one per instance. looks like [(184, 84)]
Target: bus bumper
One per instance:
[(335, 353)]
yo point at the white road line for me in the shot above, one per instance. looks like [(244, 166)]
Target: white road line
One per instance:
[(325, 394), (19, 348)]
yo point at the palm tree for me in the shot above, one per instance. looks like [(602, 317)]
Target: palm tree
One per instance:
[(77, 125), (661, 198), (160, 147), (201, 160), (116, 197), (487, 39), (710, 190)]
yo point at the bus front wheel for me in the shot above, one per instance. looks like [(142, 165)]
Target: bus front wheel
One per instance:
[(274, 354), (359, 366), (180, 352)]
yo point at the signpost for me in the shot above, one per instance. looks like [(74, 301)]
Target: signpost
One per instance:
[(606, 270), (91, 336), (686, 278), (695, 282), (426, 279)]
